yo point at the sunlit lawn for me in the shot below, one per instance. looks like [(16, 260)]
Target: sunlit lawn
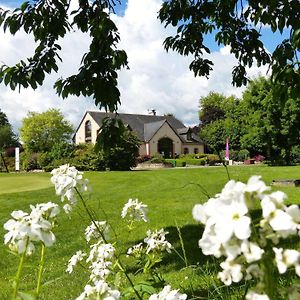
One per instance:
[(170, 195)]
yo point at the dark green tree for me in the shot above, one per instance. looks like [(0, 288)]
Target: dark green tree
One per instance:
[(119, 145), (7, 136), (48, 22), (237, 24), (219, 120), (270, 126)]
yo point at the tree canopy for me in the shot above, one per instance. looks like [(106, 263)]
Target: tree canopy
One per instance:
[(234, 23), (258, 122), (41, 131), (237, 24), (7, 136)]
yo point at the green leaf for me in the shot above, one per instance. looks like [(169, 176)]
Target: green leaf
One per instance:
[(26, 296)]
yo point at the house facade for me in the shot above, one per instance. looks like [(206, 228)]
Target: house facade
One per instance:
[(158, 134)]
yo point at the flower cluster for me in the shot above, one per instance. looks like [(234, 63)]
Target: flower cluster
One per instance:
[(24, 229), (66, 180), (99, 262), (156, 241), (134, 210), (168, 294), (247, 242), (94, 229)]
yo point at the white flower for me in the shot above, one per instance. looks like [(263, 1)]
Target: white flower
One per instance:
[(78, 256), (286, 258), (257, 186), (232, 272), (101, 251), (156, 241), (26, 228), (65, 180), (199, 213), (168, 294), (135, 210), (209, 243), (100, 291), (136, 250), (92, 231), (233, 222), (251, 251), (254, 296)]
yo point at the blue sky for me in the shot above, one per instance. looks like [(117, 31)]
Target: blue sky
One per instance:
[(156, 79)]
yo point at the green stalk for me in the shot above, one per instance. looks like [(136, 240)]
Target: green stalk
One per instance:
[(18, 275), (40, 272), (103, 237), (270, 280)]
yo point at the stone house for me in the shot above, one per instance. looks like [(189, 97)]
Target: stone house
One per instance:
[(158, 134)]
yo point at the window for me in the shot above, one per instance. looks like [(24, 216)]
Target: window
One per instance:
[(88, 131), (186, 151), (196, 150)]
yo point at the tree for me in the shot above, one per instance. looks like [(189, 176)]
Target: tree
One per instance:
[(237, 24), (234, 23), (7, 136), (273, 128), (219, 120), (41, 131), (119, 145)]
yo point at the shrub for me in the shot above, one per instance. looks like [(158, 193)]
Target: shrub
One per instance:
[(143, 158), (157, 159), (213, 159), (30, 161)]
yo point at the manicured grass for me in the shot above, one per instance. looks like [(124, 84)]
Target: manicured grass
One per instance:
[(170, 195), (14, 182)]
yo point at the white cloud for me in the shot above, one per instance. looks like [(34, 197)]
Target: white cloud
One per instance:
[(156, 79)]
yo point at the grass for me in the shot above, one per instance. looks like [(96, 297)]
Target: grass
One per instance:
[(170, 195)]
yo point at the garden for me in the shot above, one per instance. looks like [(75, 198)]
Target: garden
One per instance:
[(170, 196)]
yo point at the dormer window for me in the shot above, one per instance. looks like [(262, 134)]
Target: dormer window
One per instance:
[(189, 135), (88, 131)]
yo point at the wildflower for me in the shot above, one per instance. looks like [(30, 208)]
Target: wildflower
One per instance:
[(136, 250), (254, 296), (24, 229), (101, 290), (286, 258), (78, 256), (168, 294), (135, 210), (92, 231), (65, 180), (251, 251), (256, 186), (156, 241), (232, 272)]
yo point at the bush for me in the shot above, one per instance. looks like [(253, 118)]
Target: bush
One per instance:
[(213, 159), (143, 158), (157, 159), (30, 161)]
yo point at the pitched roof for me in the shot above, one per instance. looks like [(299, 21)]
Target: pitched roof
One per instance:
[(145, 126)]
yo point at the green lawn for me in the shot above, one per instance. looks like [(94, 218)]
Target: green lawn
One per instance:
[(170, 195), (15, 183)]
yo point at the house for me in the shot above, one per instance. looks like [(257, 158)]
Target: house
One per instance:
[(158, 134)]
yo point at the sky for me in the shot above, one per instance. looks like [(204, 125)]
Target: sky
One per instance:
[(156, 79)]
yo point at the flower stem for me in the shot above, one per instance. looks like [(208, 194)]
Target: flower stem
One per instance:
[(104, 239), (270, 281), (18, 275), (40, 272)]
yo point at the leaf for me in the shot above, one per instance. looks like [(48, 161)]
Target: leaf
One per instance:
[(26, 296)]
